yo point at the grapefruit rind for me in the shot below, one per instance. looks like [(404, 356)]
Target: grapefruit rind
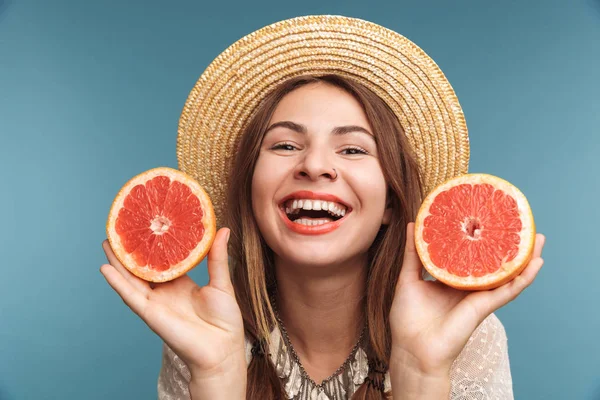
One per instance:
[(195, 256), (508, 270)]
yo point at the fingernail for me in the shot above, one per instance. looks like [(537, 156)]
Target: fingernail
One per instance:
[(227, 237)]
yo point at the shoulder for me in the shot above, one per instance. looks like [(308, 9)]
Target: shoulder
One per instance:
[(173, 364), (482, 368), (490, 332), (174, 376), (171, 361), (487, 344)]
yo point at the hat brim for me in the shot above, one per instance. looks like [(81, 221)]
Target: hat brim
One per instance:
[(228, 92)]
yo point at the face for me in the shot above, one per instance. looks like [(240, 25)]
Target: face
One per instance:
[(318, 191)]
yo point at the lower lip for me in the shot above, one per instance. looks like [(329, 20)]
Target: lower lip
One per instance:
[(312, 229)]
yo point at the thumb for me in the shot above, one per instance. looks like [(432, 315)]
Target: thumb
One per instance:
[(218, 263), (411, 266)]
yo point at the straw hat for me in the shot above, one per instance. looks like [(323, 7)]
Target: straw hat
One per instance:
[(408, 80)]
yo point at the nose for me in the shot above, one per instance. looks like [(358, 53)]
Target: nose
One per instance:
[(315, 164)]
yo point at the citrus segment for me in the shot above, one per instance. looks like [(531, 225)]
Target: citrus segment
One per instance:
[(475, 231), (161, 224)]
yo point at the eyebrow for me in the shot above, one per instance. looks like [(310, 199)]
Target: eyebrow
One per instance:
[(338, 130)]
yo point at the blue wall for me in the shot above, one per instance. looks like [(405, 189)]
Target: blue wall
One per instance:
[(90, 95)]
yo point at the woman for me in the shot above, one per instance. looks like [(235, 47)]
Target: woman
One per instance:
[(326, 299)]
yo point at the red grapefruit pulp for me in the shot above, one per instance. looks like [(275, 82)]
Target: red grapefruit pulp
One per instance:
[(161, 224), (475, 232)]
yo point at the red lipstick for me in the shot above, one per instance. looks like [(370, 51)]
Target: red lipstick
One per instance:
[(313, 229)]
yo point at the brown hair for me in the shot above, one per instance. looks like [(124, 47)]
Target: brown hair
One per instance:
[(252, 261)]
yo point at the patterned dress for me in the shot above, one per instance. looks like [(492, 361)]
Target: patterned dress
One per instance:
[(480, 372)]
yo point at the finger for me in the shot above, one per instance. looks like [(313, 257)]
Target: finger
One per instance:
[(540, 240), (134, 299), (411, 266), (136, 282), (218, 263), (486, 302)]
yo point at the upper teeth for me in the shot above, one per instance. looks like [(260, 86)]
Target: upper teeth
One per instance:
[(292, 206)]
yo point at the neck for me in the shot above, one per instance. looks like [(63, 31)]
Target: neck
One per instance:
[(322, 310)]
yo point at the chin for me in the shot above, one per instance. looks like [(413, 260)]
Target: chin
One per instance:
[(317, 256)]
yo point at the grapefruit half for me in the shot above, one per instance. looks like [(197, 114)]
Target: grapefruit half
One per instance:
[(475, 232), (161, 224)]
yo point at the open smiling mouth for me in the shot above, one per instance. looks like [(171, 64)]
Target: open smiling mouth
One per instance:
[(313, 216)]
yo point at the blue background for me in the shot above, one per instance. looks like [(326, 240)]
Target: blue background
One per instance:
[(90, 95)]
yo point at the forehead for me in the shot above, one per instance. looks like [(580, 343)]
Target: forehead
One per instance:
[(320, 103)]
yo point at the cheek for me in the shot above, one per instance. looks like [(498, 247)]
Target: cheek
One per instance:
[(371, 187), (259, 187), (267, 177)]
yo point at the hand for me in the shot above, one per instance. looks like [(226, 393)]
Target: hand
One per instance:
[(203, 325), (432, 322)]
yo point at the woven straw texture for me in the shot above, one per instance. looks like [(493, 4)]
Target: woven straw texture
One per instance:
[(402, 74)]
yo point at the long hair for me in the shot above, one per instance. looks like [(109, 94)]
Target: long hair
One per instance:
[(252, 260)]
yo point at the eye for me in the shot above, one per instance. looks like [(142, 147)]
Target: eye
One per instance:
[(353, 150), (283, 146)]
